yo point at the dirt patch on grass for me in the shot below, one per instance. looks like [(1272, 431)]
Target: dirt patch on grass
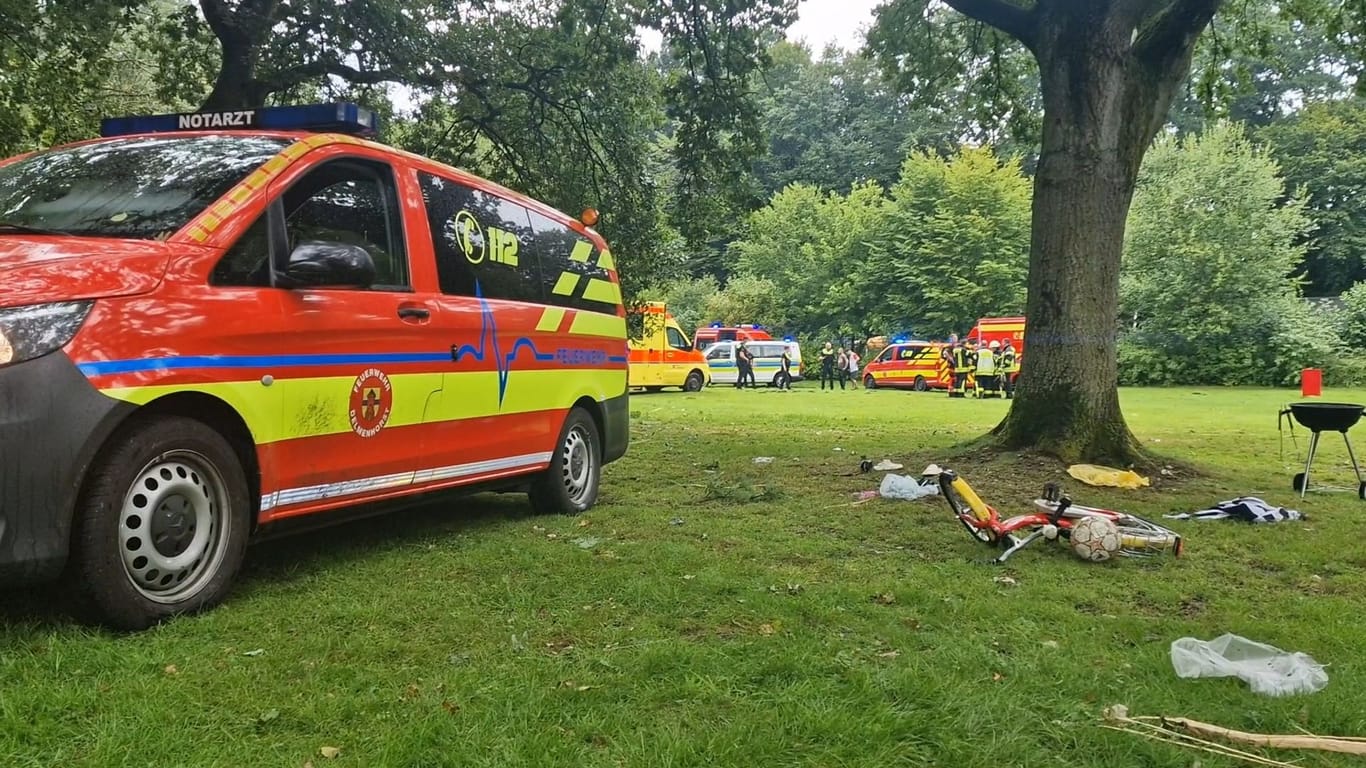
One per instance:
[(1192, 607)]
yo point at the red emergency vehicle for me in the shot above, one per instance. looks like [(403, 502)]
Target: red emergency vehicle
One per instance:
[(1000, 329), (917, 365), (212, 324), (708, 335)]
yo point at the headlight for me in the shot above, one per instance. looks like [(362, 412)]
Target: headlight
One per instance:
[(34, 331)]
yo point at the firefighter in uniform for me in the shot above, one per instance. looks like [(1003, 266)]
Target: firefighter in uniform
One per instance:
[(985, 382), (1010, 365), (962, 361)]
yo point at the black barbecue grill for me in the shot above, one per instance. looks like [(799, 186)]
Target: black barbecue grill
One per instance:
[(1325, 417)]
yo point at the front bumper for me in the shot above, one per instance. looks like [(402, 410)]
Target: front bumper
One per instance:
[(52, 421)]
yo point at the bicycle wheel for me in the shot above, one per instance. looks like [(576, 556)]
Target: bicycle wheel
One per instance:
[(963, 512)]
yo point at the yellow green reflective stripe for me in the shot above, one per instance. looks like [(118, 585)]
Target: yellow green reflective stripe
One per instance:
[(606, 261), (604, 291), (312, 407), (550, 320), (582, 250), (595, 324), (566, 284)]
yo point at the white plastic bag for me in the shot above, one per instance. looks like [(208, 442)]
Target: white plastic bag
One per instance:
[(903, 487), (1267, 669)]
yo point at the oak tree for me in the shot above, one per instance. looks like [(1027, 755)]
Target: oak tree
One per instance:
[(1108, 71)]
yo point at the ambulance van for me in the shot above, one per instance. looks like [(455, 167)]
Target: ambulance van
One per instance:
[(216, 324), (663, 356)]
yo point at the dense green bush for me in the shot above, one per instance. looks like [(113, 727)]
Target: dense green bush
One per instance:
[(1206, 286)]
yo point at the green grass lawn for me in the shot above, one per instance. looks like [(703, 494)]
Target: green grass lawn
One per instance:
[(714, 611)]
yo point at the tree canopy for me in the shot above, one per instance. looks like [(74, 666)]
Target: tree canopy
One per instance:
[(1206, 290)]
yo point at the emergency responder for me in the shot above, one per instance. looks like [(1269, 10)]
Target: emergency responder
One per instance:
[(744, 360), (828, 366), (1010, 365), (785, 376), (962, 362), (985, 382), (947, 351)]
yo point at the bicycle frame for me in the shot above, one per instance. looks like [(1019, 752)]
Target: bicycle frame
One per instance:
[(1053, 518)]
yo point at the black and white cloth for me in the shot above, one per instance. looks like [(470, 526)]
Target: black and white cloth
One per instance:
[(1246, 508)]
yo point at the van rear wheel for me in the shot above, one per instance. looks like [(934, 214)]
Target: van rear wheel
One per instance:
[(570, 485), (162, 524), (920, 384)]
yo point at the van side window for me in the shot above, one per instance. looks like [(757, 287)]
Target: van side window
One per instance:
[(344, 201), (676, 339), (571, 268), (480, 240), (719, 353)]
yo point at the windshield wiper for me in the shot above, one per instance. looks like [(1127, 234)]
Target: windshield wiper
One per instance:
[(24, 229)]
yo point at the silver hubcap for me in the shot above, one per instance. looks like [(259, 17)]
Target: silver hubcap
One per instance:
[(173, 526), (578, 464)]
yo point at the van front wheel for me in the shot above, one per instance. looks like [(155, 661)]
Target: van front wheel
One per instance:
[(694, 382), (162, 524), (570, 485)]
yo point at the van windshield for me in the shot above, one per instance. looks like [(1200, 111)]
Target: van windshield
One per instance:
[(145, 188)]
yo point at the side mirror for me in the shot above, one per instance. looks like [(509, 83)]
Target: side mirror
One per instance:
[(316, 264)]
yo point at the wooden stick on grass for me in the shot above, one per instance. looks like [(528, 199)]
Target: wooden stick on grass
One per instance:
[(1347, 745)]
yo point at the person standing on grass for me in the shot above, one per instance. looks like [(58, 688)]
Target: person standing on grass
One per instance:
[(853, 367), (828, 366), (947, 351), (961, 364), (1010, 366), (785, 376), (842, 366), (745, 362)]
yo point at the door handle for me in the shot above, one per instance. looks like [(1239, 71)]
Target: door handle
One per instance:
[(414, 313)]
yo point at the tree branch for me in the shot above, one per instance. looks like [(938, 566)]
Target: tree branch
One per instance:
[(1168, 38), (288, 78), (1004, 15)]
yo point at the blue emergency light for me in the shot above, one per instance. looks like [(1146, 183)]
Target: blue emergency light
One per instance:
[(788, 339), (320, 118), (716, 325)]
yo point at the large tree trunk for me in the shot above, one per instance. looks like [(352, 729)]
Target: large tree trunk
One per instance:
[(241, 31), (1102, 107), (236, 86)]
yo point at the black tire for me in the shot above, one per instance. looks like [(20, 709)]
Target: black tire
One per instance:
[(869, 382), (1298, 482), (570, 485), (694, 382), (190, 481), (920, 384)]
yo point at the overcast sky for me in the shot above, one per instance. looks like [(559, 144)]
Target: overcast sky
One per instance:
[(841, 22)]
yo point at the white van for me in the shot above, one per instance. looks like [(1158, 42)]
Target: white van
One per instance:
[(768, 361)]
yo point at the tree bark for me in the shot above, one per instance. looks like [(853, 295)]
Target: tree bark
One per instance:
[(240, 34), (236, 86), (1103, 104)]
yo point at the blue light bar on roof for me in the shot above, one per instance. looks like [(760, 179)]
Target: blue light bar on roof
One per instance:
[(319, 118)]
